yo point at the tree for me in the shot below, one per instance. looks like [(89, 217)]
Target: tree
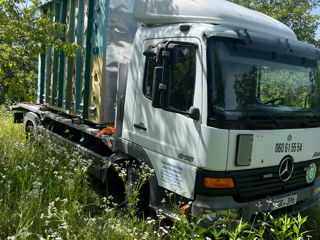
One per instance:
[(23, 32), (296, 14)]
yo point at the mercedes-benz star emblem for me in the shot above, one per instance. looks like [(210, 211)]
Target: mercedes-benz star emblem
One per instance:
[(286, 168)]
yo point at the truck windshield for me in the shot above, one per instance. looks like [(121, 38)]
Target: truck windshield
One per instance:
[(261, 87)]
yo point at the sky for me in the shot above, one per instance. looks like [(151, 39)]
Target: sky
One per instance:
[(317, 11)]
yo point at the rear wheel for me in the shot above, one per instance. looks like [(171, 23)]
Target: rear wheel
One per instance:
[(31, 121)]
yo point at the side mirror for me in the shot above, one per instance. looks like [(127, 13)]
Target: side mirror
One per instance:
[(194, 113), (156, 92)]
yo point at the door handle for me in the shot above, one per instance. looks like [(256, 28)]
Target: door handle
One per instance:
[(140, 126)]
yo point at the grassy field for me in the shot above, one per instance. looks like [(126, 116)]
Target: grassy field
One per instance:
[(49, 195)]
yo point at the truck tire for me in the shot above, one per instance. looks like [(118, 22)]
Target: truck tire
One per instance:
[(31, 121), (143, 195), (115, 185)]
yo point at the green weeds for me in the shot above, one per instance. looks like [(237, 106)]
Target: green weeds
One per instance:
[(47, 194)]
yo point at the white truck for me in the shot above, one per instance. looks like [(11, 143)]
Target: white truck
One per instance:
[(221, 101)]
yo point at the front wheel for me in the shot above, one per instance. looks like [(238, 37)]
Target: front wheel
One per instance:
[(137, 191)]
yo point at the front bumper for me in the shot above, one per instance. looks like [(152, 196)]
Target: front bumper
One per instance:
[(249, 211)]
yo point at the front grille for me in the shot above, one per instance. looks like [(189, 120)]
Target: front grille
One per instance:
[(261, 183)]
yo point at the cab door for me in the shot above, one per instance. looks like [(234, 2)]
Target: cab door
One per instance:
[(169, 138)]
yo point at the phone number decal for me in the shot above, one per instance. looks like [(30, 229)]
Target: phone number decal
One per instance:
[(288, 147)]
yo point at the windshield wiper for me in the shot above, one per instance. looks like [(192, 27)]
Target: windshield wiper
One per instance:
[(225, 112), (266, 113)]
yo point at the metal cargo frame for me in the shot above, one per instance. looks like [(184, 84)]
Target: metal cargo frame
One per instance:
[(84, 85)]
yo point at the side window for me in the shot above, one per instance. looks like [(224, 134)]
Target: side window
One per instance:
[(183, 79), (148, 76)]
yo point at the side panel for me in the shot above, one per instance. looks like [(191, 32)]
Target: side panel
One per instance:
[(41, 76), (55, 70), (63, 16), (47, 73), (98, 59), (70, 61), (87, 73), (119, 36), (76, 95), (41, 72), (96, 89)]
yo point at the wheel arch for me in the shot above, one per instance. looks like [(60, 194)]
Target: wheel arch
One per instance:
[(130, 151)]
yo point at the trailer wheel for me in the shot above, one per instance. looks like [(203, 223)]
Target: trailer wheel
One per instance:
[(143, 195), (31, 121)]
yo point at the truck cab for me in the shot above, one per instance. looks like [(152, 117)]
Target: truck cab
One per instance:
[(226, 108)]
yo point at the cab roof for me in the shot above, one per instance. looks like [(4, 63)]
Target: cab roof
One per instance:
[(218, 12)]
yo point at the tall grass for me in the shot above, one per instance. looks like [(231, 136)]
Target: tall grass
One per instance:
[(47, 194)]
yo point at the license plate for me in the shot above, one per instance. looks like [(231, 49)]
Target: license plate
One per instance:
[(285, 202)]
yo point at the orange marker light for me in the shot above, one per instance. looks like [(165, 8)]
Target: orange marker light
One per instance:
[(183, 210), (219, 183)]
